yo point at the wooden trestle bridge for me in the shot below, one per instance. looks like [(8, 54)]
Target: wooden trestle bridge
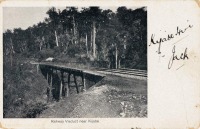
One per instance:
[(67, 78), (65, 73)]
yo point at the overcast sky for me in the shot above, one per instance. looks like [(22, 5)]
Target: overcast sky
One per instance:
[(23, 17)]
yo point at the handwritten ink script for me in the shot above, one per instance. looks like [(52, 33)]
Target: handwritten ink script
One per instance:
[(174, 57), (159, 41)]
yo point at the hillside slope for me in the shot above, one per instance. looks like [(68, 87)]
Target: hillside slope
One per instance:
[(103, 101)]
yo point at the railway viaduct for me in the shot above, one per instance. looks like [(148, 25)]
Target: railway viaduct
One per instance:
[(68, 75)]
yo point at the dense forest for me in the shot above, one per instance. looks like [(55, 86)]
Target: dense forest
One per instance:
[(115, 39), (102, 38)]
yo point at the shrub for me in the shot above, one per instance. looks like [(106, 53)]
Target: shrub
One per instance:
[(21, 85), (45, 54), (32, 110), (57, 51), (72, 50)]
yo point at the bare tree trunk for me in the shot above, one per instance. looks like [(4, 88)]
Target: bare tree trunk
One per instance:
[(74, 26), (11, 53), (56, 38), (11, 58), (40, 47), (86, 44), (74, 30), (116, 55), (93, 41)]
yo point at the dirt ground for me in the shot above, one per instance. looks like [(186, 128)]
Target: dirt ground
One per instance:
[(113, 97)]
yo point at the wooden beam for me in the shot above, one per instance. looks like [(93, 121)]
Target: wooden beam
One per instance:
[(51, 85), (83, 81), (61, 84), (37, 68), (47, 78), (75, 81), (68, 84), (64, 86), (48, 87)]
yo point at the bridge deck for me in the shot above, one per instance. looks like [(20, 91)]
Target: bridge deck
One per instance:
[(101, 72), (70, 69)]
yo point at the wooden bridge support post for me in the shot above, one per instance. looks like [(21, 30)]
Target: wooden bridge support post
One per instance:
[(83, 81), (51, 84), (68, 84), (37, 68), (47, 78), (61, 84), (75, 81), (48, 90)]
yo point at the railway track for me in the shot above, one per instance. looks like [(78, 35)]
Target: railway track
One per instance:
[(124, 72)]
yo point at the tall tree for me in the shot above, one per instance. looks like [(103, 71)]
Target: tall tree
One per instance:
[(135, 23), (8, 45), (54, 21), (95, 17)]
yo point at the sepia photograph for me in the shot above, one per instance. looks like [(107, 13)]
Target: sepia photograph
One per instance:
[(75, 62)]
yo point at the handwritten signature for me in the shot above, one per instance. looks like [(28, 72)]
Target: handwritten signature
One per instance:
[(159, 41), (174, 57)]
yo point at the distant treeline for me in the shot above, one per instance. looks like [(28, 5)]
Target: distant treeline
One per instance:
[(103, 35)]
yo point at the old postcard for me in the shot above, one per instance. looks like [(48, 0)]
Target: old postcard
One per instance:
[(100, 64)]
